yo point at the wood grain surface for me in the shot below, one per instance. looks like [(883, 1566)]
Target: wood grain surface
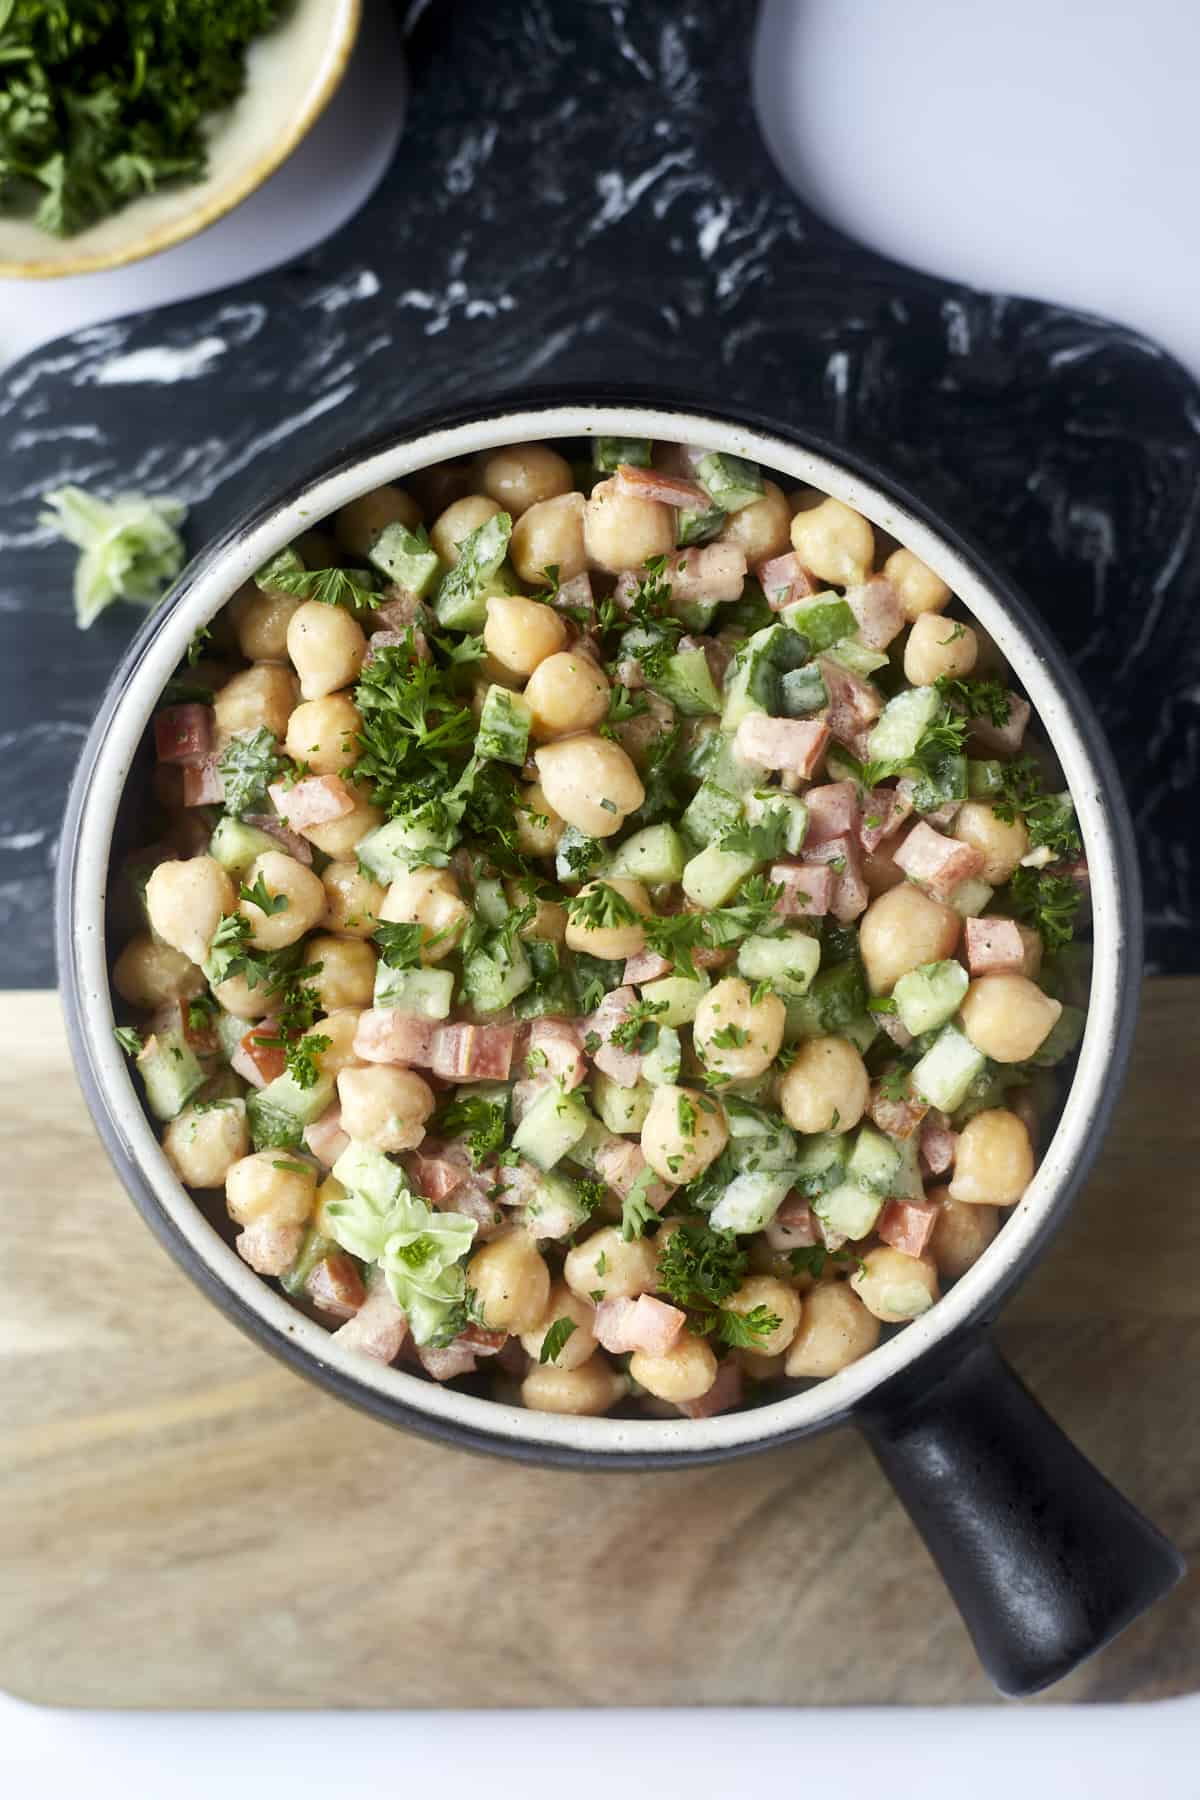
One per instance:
[(184, 1523)]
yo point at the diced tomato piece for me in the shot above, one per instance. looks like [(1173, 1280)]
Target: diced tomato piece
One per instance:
[(254, 1052)]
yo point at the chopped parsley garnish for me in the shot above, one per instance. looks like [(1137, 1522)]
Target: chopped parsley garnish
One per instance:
[(259, 896), (636, 1210), (303, 1058), (294, 1168), (988, 699), (730, 1037), (1049, 818), (247, 765), (355, 589), (699, 1267), (200, 639), (602, 908), (414, 729), (745, 1331), (555, 1338), (763, 840), (637, 1032), (623, 705), (1046, 901), (811, 1259), (131, 1041), (399, 945), (201, 1011), (480, 1122)]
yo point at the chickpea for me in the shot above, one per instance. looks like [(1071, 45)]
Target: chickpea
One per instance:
[(760, 1368), (826, 1088), (261, 621), (550, 535), (566, 693), (1001, 845), (327, 648), (384, 1106), (1008, 1017), (283, 877), (339, 1027), (459, 520), (429, 898), (993, 1161), (938, 646), (761, 530), (339, 836), (835, 1330), (901, 930), (779, 1299), (202, 1147), (352, 900), (185, 901), (346, 976), (524, 474), (605, 1264), (621, 531), (593, 1388), (895, 1287), (324, 734), (834, 542), (581, 1344), (590, 782), (962, 1233), (243, 1001), (685, 1372), (613, 942), (538, 825), (521, 633), (147, 974), (262, 696), (511, 1282), (268, 1186), (330, 1189), (919, 589), (757, 1026), (360, 522), (549, 921), (684, 1132)]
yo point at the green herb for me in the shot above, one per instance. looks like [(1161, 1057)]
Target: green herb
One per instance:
[(130, 547), (699, 1267), (881, 1004), (102, 102), (302, 1057), (1049, 818), (764, 840), (1046, 901), (623, 706), (637, 1031), (592, 1195), (354, 589), (200, 1012), (894, 1082), (399, 945), (601, 908), (479, 1121), (811, 1259), (131, 1041), (686, 1112), (260, 896), (636, 1210), (988, 699), (199, 641), (744, 1331), (294, 1168), (247, 765), (555, 1338), (595, 1295), (413, 729), (730, 1037)]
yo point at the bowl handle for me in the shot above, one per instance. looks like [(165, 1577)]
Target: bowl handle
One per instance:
[(1044, 1559)]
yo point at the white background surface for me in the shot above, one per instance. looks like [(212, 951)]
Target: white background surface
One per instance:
[(1032, 148)]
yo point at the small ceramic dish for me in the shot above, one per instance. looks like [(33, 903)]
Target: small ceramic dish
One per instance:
[(292, 73), (1044, 1559)]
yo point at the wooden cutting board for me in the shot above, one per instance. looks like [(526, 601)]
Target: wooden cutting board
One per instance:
[(184, 1523)]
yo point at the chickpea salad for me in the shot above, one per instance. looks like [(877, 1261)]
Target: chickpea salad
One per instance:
[(607, 932)]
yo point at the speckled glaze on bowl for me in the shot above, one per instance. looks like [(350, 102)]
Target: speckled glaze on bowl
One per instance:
[(951, 1424), (292, 74)]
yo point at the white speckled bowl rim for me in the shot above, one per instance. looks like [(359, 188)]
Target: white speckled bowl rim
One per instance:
[(445, 1412)]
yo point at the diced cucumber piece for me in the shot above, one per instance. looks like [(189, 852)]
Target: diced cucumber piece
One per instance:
[(608, 453), (731, 481), (718, 765), (930, 995), (426, 993), (710, 813), (985, 778), (284, 562), (941, 781), (622, 1110), (699, 526), (462, 594), (235, 845), (971, 897), (696, 615), (170, 1072), (686, 681), (758, 1139), (754, 681), (654, 855), (803, 692), (907, 1183), (230, 1032), (836, 1000), (820, 1162), (861, 1031), (578, 856), (902, 723), (594, 1139), (905, 1298), (552, 1126), (874, 1161), (554, 1208), (788, 962), (504, 722), (750, 1201), (714, 876), (662, 1064), (824, 619), (771, 802), (858, 658), (679, 994), (947, 1069), (406, 558), (495, 973), (1064, 1037), (849, 1209), (396, 847), (279, 1112), (591, 978), (840, 765), (491, 902)]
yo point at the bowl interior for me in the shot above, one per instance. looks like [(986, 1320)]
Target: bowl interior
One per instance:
[(113, 753), (291, 73)]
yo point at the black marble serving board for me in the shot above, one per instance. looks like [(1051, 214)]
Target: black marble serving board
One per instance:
[(582, 192)]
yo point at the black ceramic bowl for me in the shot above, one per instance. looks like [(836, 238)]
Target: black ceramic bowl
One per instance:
[(1046, 1561)]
